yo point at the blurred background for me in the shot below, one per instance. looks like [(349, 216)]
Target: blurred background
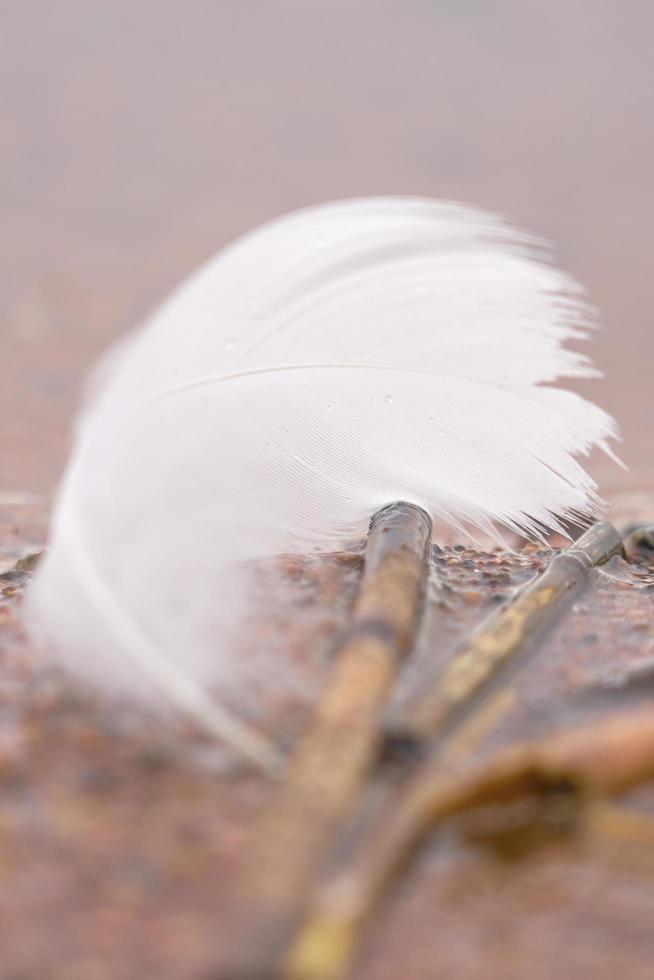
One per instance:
[(138, 136)]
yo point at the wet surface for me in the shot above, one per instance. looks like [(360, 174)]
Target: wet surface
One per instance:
[(132, 149), (120, 841)]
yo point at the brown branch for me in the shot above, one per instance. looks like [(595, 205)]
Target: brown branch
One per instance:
[(341, 744), (506, 637), (300, 828), (603, 761), (468, 698)]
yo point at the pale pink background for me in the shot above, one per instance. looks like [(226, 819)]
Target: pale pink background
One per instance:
[(137, 136)]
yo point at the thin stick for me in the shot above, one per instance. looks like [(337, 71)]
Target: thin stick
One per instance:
[(593, 761), (341, 744), (507, 636), (458, 709)]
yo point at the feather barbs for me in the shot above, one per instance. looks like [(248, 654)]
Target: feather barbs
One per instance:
[(323, 366)]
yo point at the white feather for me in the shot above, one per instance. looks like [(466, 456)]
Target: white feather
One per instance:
[(328, 363)]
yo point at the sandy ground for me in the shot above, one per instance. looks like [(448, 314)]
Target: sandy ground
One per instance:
[(136, 139)]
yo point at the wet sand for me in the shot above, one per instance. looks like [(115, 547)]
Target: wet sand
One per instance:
[(137, 138)]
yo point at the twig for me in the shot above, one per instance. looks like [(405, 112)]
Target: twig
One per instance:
[(506, 636), (590, 761), (465, 700), (341, 744)]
